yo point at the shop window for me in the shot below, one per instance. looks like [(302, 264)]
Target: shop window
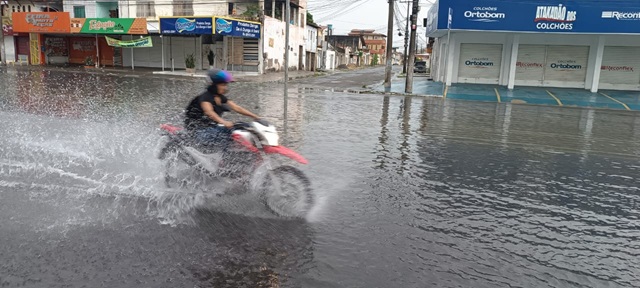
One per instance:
[(145, 9), (78, 12), (183, 8)]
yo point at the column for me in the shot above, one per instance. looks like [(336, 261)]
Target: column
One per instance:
[(451, 50), (514, 60), (597, 64)]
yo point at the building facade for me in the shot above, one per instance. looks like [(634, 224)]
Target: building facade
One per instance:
[(241, 38), (588, 44), (375, 44)]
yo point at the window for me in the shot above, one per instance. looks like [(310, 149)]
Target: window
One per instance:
[(78, 12), (231, 9), (145, 9), (183, 8)]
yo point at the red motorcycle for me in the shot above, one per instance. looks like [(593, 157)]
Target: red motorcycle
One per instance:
[(285, 190)]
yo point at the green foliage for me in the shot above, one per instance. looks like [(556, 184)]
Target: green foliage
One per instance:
[(310, 18), (252, 11), (190, 61), (375, 60)]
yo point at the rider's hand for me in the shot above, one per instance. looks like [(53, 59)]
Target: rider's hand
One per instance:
[(228, 124)]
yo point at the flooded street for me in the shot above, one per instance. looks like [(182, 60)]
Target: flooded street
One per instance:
[(412, 192)]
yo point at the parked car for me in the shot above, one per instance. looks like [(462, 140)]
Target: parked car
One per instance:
[(420, 67)]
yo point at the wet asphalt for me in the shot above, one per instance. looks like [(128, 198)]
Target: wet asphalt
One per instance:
[(412, 191)]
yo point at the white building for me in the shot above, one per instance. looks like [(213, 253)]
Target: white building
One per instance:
[(586, 44), (311, 46)]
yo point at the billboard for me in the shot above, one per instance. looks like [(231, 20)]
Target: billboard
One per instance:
[(237, 28), (186, 25), (41, 22), (129, 26), (538, 16)]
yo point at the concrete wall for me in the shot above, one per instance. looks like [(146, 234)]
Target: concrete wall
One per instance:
[(311, 39), (274, 42)]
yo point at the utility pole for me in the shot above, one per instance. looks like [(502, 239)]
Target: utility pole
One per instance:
[(286, 61), (3, 54), (412, 48), (387, 74), (406, 41)]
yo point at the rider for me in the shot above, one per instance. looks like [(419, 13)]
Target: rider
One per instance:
[(204, 113)]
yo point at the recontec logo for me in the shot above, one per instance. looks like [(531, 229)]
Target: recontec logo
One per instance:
[(484, 14), (621, 15)]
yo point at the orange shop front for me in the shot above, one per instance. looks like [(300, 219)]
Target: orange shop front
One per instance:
[(36, 24)]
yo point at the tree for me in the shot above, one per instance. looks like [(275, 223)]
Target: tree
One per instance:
[(310, 18), (375, 60)]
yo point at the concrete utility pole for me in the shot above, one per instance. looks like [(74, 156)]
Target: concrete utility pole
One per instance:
[(3, 54), (406, 41), (412, 48), (387, 74), (286, 61)]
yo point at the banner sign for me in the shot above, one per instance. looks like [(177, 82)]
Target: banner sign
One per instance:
[(186, 26), (7, 26), (135, 43), (129, 26), (237, 28), (562, 16), (41, 22)]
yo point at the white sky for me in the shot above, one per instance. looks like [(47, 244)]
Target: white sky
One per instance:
[(366, 14)]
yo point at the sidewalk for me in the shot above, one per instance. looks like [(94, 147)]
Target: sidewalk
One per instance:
[(158, 73)]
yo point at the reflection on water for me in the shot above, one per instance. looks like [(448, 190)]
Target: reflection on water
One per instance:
[(414, 192), (515, 195)]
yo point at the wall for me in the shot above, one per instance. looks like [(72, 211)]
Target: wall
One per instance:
[(311, 39), (205, 7), (89, 7), (102, 8), (274, 41), (9, 48)]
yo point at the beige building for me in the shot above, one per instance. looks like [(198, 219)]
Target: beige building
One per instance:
[(375, 43)]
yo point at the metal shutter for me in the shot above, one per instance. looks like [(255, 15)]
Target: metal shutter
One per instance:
[(250, 52), (530, 65), (480, 63), (566, 66), (620, 68)]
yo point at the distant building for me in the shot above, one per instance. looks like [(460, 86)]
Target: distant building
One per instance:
[(375, 43)]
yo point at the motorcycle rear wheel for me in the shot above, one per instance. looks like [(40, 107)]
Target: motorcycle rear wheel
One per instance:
[(290, 195)]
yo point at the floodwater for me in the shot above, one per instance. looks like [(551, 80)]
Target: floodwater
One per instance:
[(412, 192)]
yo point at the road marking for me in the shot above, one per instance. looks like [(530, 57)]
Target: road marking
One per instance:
[(446, 89), (554, 97), (497, 95), (616, 100)]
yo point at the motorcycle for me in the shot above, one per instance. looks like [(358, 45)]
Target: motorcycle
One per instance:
[(284, 190)]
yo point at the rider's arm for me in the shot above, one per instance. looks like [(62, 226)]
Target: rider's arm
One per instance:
[(241, 110), (207, 108)]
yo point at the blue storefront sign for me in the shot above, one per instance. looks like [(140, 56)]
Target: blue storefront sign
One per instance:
[(588, 16), (237, 28), (186, 26)]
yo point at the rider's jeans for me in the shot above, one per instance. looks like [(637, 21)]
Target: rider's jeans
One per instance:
[(217, 135)]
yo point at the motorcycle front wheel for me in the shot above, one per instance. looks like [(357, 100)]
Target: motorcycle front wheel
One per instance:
[(287, 192)]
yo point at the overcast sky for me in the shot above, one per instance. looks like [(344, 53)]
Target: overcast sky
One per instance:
[(365, 14)]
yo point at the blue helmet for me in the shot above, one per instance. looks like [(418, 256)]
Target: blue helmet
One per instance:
[(217, 76)]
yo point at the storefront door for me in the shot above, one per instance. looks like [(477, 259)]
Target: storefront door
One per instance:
[(480, 63), (620, 68), (566, 66)]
